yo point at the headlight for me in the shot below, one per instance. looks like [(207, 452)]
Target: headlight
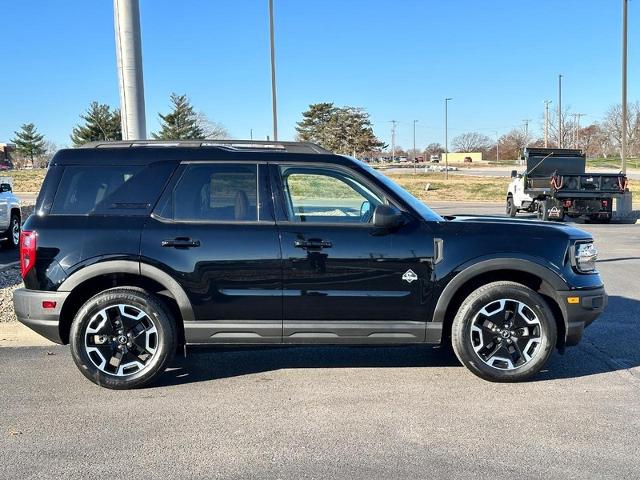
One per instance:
[(586, 255)]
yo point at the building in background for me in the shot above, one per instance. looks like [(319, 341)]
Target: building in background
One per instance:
[(6, 162)]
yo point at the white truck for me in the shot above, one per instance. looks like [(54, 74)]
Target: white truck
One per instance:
[(10, 220), (556, 184)]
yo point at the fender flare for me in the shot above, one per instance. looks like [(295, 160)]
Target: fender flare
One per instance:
[(527, 266), (134, 268)]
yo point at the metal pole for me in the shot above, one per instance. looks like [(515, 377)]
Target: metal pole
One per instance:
[(546, 123), (623, 149), (273, 74), (415, 156), (446, 138), (497, 146), (126, 15), (393, 140), (251, 133), (559, 111)]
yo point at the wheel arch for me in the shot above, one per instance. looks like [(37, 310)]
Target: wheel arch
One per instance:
[(101, 276), (526, 272)]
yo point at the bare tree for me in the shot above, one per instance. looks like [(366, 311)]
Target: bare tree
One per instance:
[(612, 126), (433, 149), (471, 142), (512, 144), (568, 129), (212, 130)]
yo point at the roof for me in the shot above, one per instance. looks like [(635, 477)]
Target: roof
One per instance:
[(144, 152)]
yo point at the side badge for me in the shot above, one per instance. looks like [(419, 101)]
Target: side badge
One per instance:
[(409, 276)]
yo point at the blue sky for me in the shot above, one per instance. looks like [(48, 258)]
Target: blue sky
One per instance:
[(498, 59)]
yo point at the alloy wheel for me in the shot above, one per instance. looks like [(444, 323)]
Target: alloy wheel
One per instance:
[(121, 340), (506, 334)]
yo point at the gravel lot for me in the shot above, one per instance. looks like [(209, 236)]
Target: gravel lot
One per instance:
[(9, 280)]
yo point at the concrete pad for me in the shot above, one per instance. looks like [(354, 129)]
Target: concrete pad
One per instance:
[(15, 334)]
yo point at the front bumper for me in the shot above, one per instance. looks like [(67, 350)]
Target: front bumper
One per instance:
[(580, 315), (45, 321)]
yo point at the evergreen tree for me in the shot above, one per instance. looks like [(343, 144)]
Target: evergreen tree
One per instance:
[(29, 143), (181, 123), (344, 130), (101, 124)]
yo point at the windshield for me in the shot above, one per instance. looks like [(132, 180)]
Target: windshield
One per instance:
[(424, 211)]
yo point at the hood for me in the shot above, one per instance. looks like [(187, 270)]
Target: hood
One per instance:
[(535, 228)]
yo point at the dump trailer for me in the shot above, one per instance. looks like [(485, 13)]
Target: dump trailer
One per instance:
[(555, 183)]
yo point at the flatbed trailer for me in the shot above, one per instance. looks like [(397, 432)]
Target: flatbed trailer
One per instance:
[(555, 183)]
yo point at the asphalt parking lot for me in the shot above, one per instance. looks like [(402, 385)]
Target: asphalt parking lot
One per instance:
[(342, 412)]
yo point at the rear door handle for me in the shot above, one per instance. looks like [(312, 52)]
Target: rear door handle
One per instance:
[(312, 243), (181, 242)]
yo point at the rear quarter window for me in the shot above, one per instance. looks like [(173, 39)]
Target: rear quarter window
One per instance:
[(110, 189)]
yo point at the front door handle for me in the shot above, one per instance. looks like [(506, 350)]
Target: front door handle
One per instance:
[(312, 243), (181, 242)]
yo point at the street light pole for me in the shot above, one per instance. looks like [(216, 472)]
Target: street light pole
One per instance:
[(559, 111), (623, 150), (415, 157), (546, 123), (393, 140), (446, 138), (129, 60), (273, 74)]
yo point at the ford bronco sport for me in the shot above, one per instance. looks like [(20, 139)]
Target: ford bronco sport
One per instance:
[(139, 248)]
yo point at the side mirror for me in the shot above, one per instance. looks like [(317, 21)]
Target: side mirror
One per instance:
[(5, 187), (387, 217), (514, 173)]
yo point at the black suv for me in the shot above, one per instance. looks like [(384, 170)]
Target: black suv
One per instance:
[(137, 249)]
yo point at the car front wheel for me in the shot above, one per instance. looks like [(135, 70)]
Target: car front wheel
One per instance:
[(504, 332), (123, 338)]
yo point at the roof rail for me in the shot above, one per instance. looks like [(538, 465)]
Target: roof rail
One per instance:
[(290, 147)]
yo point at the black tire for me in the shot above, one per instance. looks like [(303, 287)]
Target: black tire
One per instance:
[(543, 211), (511, 208), (158, 326), (465, 341), (13, 232)]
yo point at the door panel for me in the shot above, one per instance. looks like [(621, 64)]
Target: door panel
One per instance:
[(215, 235), (342, 276), (233, 278)]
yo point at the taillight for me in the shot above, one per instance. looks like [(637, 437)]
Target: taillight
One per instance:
[(27, 251)]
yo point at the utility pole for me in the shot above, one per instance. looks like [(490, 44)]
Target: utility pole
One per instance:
[(446, 137), (559, 111), (546, 123), (526, 128), (273, 74), (497, 146), (126, 16), (393, 140), (623, 150), (576, 133), (251, 133), (415, 156)]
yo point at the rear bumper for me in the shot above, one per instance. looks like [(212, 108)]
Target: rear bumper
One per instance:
[(580, 315), (45, 321)]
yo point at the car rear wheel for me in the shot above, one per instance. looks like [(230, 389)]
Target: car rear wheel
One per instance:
[(511, 208), (123, 338), (13, 233), (504, 332)]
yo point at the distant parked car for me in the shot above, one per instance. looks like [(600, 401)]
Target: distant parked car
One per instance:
[(435, 159)]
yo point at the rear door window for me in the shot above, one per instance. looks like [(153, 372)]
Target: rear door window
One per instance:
[(110, 189), (214, 192)]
